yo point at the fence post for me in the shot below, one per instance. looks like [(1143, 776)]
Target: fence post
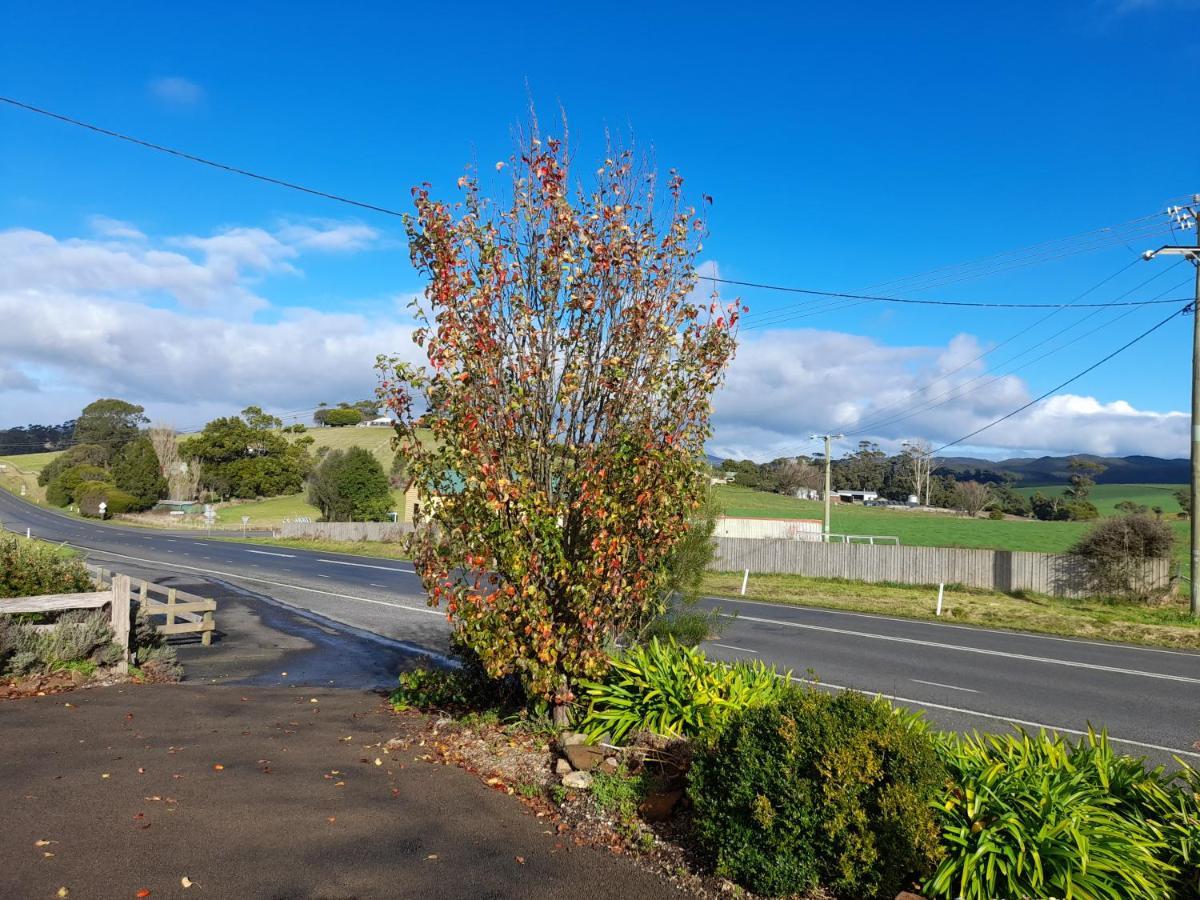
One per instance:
[(941, 591), (120, 618), (745, 578), (170, 606), (206, 635)]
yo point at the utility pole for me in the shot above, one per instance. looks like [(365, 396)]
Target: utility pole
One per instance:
[(1185, 218), (828, 438)]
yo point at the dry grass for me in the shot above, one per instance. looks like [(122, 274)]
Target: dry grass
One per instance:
[(1162, 625)]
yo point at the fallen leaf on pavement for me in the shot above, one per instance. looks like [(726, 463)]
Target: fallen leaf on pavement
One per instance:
[(144, 892), (64, 892), (217, 767), (432, 856), (378, 761), (332, 819), (521, 860), (47, 854), (43, 843), (186, 882)]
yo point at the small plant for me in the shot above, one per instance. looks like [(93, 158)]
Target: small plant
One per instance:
[(79, 636), (674, 691), (618, 793), (528, 790), (558, 794), (822, 790), (424, 688), (1037, 816)]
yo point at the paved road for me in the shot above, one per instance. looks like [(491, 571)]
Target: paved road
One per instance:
[(965, 678)]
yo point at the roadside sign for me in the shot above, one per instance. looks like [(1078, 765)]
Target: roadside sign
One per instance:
[(103, 508), (245, 520)]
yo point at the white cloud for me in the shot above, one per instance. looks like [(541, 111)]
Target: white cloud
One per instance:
[(168, 324), (176, 90), (785, 385)]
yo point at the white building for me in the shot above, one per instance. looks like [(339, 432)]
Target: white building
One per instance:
[(381, 422)]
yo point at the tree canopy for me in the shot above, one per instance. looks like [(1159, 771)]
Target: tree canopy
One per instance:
[(239, 460), (350, 485), (109, 423)]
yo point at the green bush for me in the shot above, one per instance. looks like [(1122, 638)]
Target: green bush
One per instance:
[(31, 568), (424, 688), (89, 497), (136, 471), (835, 791), (1117, 550), (350, 485), (67, 485), (1037, 816), (674, 691)]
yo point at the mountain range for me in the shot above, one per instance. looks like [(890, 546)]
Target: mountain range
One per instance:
[(1048, 470)]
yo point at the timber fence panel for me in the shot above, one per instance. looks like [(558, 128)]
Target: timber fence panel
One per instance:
[(1060, 575), (345, 531)]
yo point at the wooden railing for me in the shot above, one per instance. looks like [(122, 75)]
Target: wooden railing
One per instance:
[(185, 613)]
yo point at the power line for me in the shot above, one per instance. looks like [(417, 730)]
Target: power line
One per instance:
[(1183, 309), (200, 159)]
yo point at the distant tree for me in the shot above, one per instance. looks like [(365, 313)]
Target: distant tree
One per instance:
[(80, 454), (918, 459), (35, 438), (398, 474), (1007, 501), (793, 474), (340, 417), (63, 489), (1117, 551), (862, 470), (1083, 478), (1130, 508), (237, 460), (110, 423), (350, 485), (1049, 509), (973, 497), (1183, 496), (136, 471), (256, 418)]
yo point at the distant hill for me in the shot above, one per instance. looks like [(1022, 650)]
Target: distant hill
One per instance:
[(1048, 470)]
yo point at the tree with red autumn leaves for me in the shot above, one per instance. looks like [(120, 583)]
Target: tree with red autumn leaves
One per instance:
[(568, 388)]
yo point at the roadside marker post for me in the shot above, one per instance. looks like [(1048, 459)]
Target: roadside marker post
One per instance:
[(941, 591), (745, 579)]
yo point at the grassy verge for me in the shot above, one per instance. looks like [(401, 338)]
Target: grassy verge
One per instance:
[(378, 549), (1162, 625)]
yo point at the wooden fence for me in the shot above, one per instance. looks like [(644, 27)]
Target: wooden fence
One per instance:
[(116, 597), (185, 613), (1060, 575), (345, 531)]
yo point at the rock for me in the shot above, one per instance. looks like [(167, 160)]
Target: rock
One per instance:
[(579, 781), (906, 895), (584, 757), (609, 766), (568, 738), (659, 805), (561, 766), (78, 678)]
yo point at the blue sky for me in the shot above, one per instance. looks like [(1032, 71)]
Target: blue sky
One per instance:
[(844, 149)]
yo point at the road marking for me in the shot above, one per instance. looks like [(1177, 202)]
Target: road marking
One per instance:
[(373, 584), (1109, 645), (338, 562), (950, 686), (980, 650), (170, 540), (319, 575), (269, 553), (974, 712), (738, 649), (282, 584)]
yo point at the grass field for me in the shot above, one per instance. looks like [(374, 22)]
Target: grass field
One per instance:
[(1107, 496), (1166, 625), (922, 529), (30, 462)]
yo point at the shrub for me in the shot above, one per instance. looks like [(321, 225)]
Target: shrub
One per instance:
[(822, 790), (1082, 511), (424, 688), (674, 691), (90, 496), (66, 486), (996, 515), (136, 472), (80, 635), (341, 417), (350, 485), (1035, 816), (31, 568), (1116, 552)]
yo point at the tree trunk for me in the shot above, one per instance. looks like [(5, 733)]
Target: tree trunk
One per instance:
[(561, 719)]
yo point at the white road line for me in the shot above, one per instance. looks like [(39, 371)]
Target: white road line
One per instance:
[(974, 712), (373, 584), (171, 540), (738, 649), (338, 562), (950, 686), (319, 575), (269, 553), (980, 650), (978, 629), (282, 584)]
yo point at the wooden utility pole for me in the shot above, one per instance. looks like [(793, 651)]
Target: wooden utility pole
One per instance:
[(829, 439), (1186, 217)]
